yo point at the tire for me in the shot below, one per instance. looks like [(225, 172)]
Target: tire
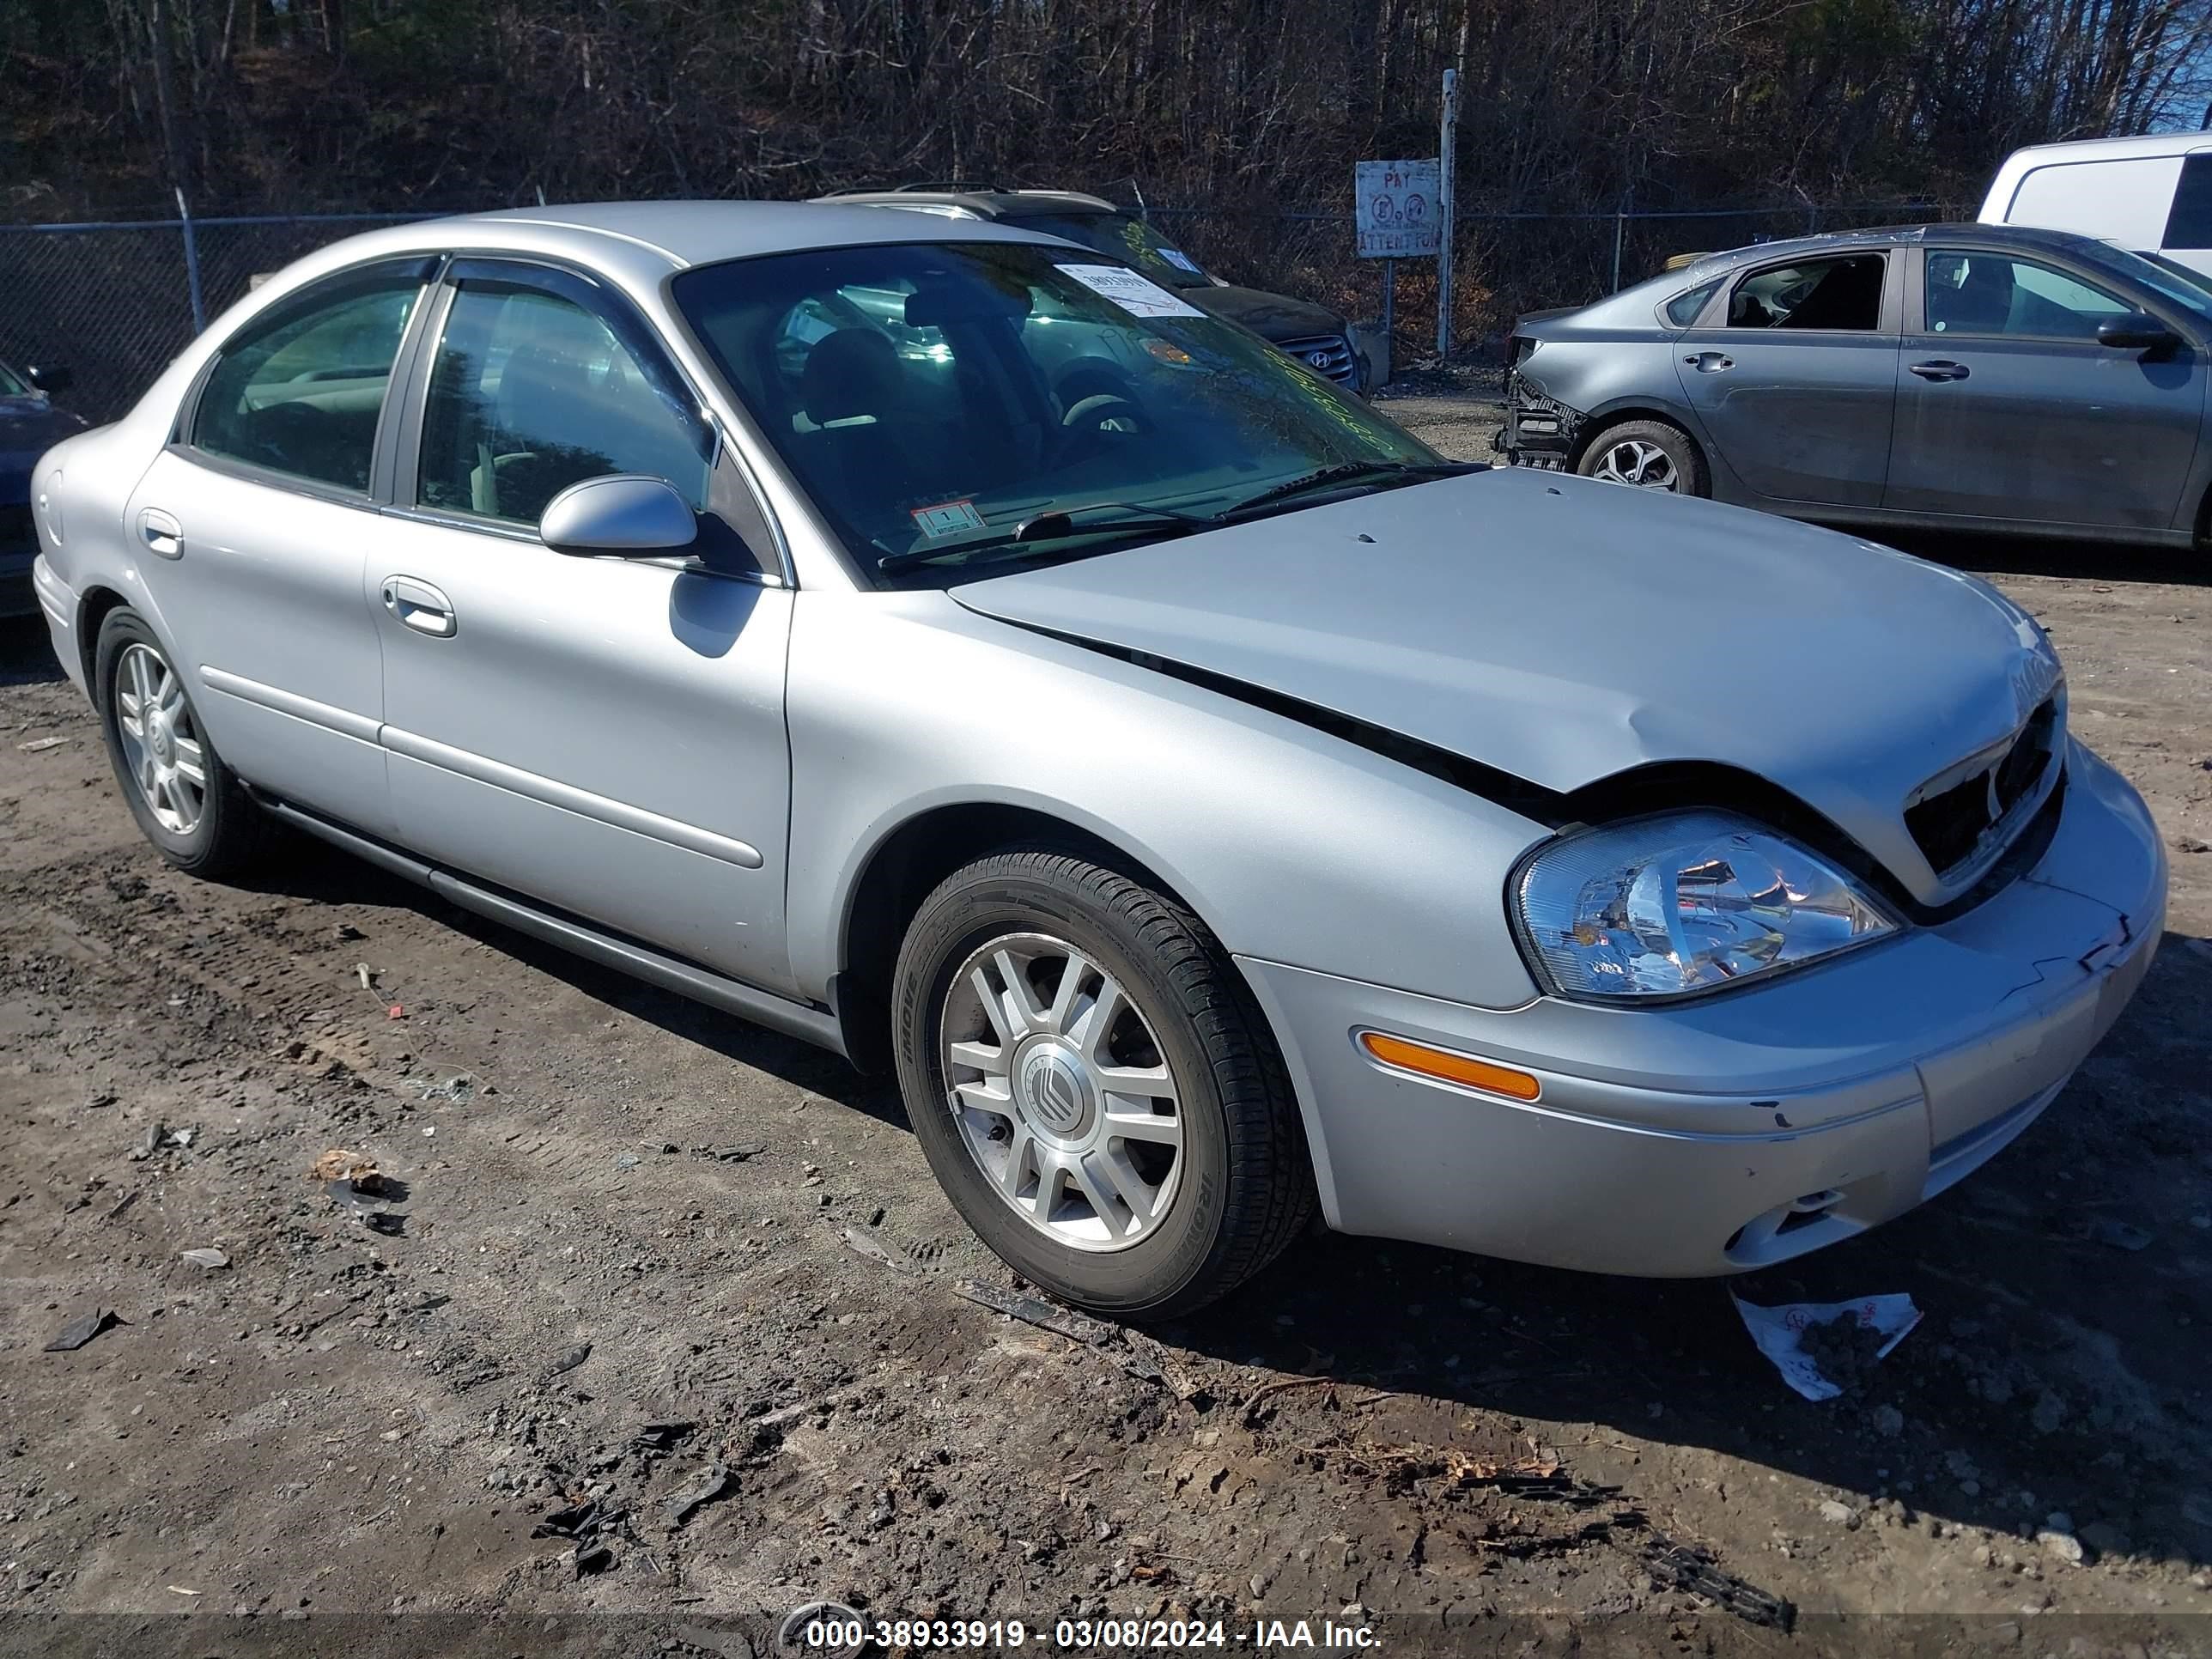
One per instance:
[(1605, 456), (214, 831), (1221, 1202)]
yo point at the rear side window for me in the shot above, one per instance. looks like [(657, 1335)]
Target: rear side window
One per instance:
[(298, 391), (1682, 310), (1817, 295), (2189, 226), (530, 392)]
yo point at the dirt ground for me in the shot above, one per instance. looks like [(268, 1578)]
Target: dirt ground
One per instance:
[(670, 1340)]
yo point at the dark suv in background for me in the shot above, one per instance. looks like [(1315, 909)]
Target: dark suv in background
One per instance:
[(1314, 334)]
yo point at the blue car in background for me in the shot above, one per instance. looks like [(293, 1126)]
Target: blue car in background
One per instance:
[(30, 425)]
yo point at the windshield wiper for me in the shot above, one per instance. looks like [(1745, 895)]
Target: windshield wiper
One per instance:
[(1344, 472), (1052, 525)]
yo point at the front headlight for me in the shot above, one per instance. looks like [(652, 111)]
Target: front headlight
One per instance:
[(1686, 903)]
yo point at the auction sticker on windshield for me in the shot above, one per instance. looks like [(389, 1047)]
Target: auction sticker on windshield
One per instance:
[(1138, 295), (947, 518)]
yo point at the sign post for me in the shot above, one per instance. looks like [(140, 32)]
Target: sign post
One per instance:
[(1395, 214), (1447, 147)]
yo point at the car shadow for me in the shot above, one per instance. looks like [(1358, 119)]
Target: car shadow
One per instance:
[(27, 651), (1998, 557), (2065, 1290)]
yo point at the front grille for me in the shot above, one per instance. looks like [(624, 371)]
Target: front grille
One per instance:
[(16, 529), (1331, 353), (1952, 827)]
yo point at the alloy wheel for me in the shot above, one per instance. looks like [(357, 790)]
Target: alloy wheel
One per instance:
[(1061, 1093), (159, 742), (1639, 463)]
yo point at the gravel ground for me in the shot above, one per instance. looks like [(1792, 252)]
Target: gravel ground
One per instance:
[(663, 1332)]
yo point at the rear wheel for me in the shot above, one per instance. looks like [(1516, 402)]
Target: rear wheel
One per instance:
[(1094, 1087), (189, 804), (1646, 455)]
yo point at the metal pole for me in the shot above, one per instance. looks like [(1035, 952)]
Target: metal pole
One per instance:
[(192, 262), (1619, 222), (1389, 297), (1445, 190)]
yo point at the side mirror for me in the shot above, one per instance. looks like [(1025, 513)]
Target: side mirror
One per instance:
[(2137, 331), (49, 378), (623, 513)]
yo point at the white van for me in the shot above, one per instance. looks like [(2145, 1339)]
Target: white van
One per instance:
[(2150, 194)]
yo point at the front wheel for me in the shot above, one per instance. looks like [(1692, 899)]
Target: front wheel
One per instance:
[(1094, 1086), (1646, 455)]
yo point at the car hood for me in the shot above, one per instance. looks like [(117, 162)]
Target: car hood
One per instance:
[(1272, 316), (1562, 631), (28, 428)]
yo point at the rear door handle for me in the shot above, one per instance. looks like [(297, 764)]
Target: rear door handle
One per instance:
[(1941, 369), (1709, 362), (420, 606), (162, 534)]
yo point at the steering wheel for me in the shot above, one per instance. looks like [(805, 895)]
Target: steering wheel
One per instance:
[(1105, 411)]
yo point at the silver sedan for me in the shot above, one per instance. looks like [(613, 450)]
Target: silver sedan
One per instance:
[(940, 642)]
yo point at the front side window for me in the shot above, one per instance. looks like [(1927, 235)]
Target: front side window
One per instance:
[(1820, 295), (939, 401), (1992, 294), (530, 394), (10, 386), (298, 391)]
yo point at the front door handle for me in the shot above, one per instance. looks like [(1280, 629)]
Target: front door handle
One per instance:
[(1709, 362), (419, 606), (162, 534), (1942, 369)]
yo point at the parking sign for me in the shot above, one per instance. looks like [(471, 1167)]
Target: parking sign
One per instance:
[(1396, 208)]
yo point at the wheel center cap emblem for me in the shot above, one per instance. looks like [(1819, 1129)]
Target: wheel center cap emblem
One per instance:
[(161, 742), (1053, 1091)]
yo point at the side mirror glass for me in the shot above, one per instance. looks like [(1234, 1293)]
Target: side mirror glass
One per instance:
[(49, 378), (624, 512), (2137, 331)]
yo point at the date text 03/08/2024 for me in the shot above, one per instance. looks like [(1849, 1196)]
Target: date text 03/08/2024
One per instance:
[(829, 1629)]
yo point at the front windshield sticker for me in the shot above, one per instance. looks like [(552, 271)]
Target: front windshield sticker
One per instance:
[(1138, 295), (947, 518), (1179, 260)]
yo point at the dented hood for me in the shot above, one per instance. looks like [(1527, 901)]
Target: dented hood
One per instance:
[(1563, 630)]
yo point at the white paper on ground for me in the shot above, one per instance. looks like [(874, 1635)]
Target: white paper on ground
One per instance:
[(1777, 1330)]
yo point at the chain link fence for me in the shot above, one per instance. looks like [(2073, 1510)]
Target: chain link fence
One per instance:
[(115, 302)]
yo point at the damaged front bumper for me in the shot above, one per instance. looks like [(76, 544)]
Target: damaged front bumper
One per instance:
[(1735, 1131), (1539, 431)]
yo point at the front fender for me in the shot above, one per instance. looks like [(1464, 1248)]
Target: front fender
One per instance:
[(1293, 846)]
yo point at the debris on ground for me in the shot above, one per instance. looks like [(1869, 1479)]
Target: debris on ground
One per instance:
[(737, 1154), (1691, 1567), (39, 745), (568, 1361), (455, 1087), (81, 1330), (208, 1258), (149, 1144), (659, 1436), (862, 1244), (356, 1171), (1803, 1338), (716, 1482), (1035, 1310), (2104, 1230)]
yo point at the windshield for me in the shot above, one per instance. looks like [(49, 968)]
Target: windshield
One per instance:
[(933, 400), (1126, 237)]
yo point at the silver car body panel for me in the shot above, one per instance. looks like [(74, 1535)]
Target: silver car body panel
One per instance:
[(1451, 626), (689, 775)]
